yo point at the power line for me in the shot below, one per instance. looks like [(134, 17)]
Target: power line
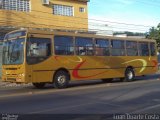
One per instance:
[(94, 24), (75, 22), (63, 27), (19, 21), (98, 20), (87, 24)]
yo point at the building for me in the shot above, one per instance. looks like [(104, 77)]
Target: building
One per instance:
[(100, 28), (54, 14)]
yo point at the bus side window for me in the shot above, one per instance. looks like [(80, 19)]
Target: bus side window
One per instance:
[(143, 49), (63, 45), (84, 46), (102, 47), (152, 49), (131, 47), (38, 49), (117, 48)]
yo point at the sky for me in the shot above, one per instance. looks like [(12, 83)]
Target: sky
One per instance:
[(139, 12)]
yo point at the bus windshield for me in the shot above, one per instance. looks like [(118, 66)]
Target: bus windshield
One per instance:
[(13, 51)]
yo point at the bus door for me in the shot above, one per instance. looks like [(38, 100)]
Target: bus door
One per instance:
[(39, 51)]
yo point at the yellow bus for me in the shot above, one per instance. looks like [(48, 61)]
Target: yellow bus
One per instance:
[(40, 57)]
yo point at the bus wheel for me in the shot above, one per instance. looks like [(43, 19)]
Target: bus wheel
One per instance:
[(129, 75), (39, 85), (61, 80)]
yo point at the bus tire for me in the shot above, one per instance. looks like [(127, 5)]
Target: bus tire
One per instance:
[(129, 75), (39, 85), (61, 79)]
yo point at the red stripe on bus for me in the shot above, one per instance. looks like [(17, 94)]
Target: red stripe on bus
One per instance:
[(75, 72), (155, 63)]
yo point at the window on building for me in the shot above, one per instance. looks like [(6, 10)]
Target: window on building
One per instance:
[(63, 45), (63, 10), (84, 46), (153, 49), (143, 49), (18, 5), (117, 48), (82, 9), (102, 47), (131, 48)]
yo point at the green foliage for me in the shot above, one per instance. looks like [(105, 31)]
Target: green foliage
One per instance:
[(154, 33)]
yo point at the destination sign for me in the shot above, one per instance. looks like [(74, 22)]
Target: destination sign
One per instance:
[(15, 34)]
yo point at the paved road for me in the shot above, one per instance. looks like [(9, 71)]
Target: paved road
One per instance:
[(93, 97)]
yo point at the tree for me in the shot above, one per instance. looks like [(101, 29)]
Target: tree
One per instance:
[(154, 33)]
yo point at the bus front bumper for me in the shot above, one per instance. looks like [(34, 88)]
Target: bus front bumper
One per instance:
[(16, 78)]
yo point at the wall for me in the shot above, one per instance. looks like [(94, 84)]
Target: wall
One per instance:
[(41, 16)]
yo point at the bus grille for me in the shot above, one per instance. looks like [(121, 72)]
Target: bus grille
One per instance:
[(10, 68), (11, 79)]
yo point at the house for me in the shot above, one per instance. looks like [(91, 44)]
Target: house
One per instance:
[(53, 14)]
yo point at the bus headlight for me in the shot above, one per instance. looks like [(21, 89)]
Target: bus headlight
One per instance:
[(21, 75)]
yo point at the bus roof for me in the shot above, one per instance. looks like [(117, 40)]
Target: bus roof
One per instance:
[(79, 34)]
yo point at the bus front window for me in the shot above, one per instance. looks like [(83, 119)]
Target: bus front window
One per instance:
[(13, 51)]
